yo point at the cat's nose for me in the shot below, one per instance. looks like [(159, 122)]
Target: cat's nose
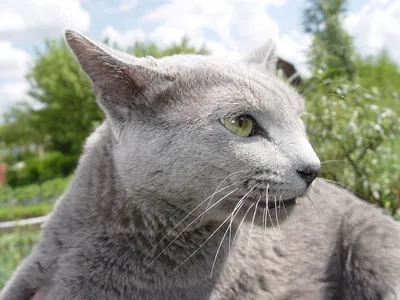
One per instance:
[(309, 172)]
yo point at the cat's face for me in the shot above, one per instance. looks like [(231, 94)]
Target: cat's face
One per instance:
[(188, 127)]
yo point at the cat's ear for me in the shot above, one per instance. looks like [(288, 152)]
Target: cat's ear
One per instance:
[(264, 57), (121, 87)]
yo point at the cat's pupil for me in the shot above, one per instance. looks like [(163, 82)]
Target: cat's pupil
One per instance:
[(240, 119)]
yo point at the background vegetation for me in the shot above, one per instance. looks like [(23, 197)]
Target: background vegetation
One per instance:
[(353, 109), (353, 123), (13, 248)]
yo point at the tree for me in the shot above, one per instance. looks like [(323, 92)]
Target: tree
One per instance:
[(141, 49), (332, 47), (69, 112)]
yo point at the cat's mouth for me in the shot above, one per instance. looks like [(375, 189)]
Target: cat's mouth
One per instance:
[(276, 204)]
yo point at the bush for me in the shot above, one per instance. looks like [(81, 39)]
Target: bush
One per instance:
[(18, 212), (37, 170), (354, 136), (30, 194)]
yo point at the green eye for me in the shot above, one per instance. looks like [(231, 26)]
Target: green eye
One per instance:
[(241, 125)]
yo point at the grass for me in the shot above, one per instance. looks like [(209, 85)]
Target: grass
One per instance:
[(18, 212), (13, 248)]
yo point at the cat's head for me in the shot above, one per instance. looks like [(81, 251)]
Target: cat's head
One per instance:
[(189, 126)]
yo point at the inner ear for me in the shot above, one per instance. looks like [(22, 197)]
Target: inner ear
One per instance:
[(120, 86)]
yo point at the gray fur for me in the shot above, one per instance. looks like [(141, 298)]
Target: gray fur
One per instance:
[(131, 224)]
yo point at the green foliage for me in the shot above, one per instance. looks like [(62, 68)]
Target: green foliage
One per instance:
[(30, 200), (16, 129), (35, 193), (141, 49), (68, 110), (13, 248), (13, 157), (380, 72), (353, 112), (332, 47), (354, 136), (19, 212), (40, 169)]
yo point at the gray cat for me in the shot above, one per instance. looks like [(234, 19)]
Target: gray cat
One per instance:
[(199, 185)]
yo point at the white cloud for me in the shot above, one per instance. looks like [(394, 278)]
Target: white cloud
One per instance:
[(15, 92), (165, 36), (238, 26), (376, 26), (192, 17), (11, 94), (125, 5), (123, 39), (30, 21), (34, 20), (14, 62), (226, 27)]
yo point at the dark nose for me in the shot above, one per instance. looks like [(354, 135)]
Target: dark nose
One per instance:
[(309, 173)]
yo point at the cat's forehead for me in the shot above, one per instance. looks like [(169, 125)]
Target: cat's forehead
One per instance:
[(232, 82)]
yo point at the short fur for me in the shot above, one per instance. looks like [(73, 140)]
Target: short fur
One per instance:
[(166, 203)]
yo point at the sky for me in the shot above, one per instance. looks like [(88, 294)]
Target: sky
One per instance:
[(226, 27)]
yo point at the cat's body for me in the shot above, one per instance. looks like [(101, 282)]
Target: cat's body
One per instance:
[(161, 182)]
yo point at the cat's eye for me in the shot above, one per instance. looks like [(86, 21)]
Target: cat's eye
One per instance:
[(241, 125)]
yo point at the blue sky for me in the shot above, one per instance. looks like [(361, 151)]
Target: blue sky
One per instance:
[(227, 27)]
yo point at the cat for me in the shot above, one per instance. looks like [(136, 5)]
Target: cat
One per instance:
[(201, 184)]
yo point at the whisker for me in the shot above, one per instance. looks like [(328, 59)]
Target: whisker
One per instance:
[(266, 209), (334, 161), (239, 204), (199, 216), (222, 183), (325, 220), (197, 250), (251, 229), (241, 200), (347, 188), (179, 223), (237, 208), (332, 82), (283, 204), (277, 223), (241, 222), (317, 191), (219, 247), (263, 217), (317, 210), (334, 206), (272, 224)]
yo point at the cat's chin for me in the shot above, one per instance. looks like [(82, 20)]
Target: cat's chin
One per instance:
[(260, 213), (277, 205)]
